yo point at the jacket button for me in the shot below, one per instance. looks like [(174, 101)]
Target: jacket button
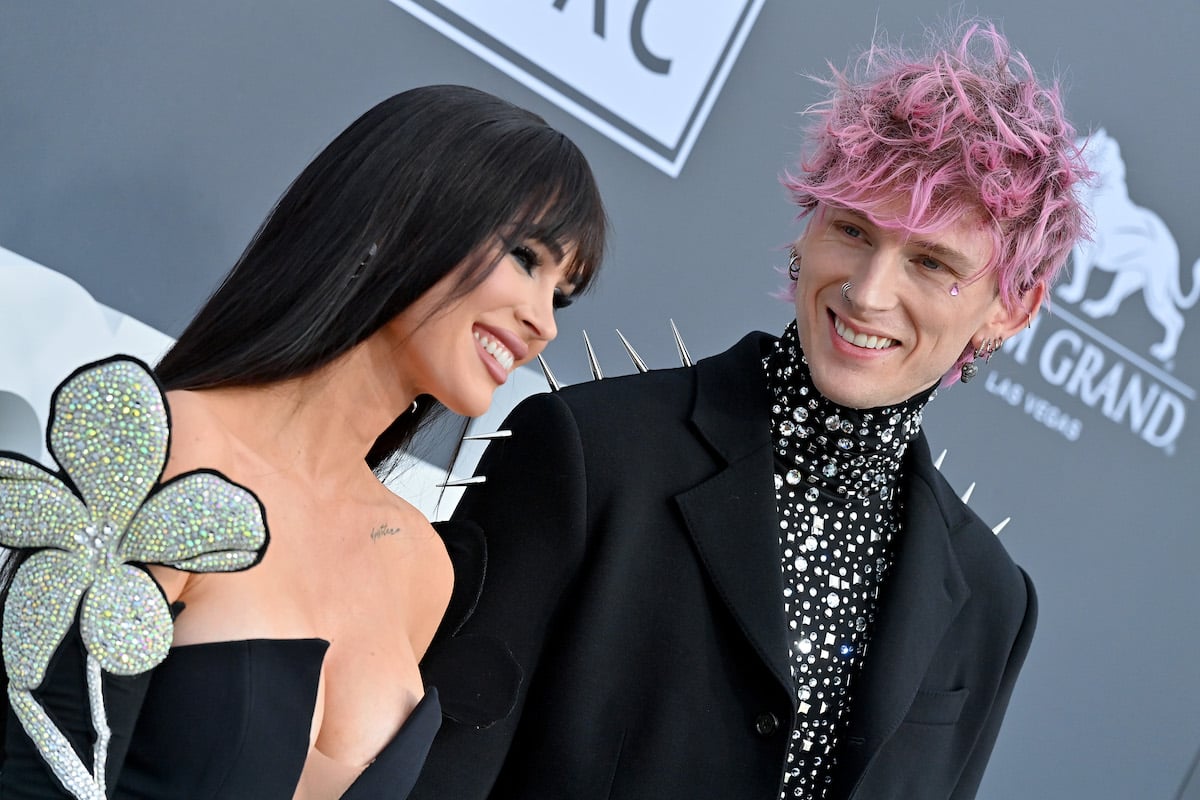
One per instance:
[(766, 723)]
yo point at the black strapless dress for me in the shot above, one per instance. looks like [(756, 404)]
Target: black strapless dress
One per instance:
[(228, 720), (219, 721), (232, 720)]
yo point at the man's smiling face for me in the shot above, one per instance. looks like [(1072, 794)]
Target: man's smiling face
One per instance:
[(911, 309)]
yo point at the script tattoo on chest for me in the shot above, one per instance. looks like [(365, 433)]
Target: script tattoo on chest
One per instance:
[(383, 530)]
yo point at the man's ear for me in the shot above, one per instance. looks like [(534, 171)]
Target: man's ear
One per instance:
[(1008, 322)]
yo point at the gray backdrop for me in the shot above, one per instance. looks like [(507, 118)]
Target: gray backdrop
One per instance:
[(142, 142)]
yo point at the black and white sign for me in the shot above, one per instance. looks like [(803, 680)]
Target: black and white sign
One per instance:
[(645, 73)]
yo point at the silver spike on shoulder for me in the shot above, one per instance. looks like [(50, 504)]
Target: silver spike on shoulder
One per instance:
[(637, 360), (550, 379), (592, 362), (483, 437), (472, 481), (966, 496), (685, 357)]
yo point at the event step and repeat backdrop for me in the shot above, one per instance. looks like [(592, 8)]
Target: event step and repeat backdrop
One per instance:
[(141, 144)]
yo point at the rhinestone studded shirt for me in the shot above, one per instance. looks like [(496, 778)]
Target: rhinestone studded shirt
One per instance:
[(837, 471)]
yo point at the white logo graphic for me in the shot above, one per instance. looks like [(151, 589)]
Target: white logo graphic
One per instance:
[(1125, 387), (645, 73), (1132, 242)]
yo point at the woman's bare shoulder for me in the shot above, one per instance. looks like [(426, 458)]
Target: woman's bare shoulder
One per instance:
[(198, 440)]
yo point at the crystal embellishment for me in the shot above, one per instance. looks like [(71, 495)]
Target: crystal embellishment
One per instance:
[(89, 525), (838, 509)]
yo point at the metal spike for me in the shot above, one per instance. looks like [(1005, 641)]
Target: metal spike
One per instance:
[(966, 498), (482, 437), (550, 379), (999, 527), (637, 360), (937, 464), (473, 481), (592, 362), (685, 357)]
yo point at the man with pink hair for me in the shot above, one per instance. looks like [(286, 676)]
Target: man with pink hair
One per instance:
[(745, 579)]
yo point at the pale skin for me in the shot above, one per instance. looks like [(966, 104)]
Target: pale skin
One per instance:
[(349, 561), (900, 303)]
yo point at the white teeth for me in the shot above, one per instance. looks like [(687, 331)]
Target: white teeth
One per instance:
[(860, 339), (496, 351)]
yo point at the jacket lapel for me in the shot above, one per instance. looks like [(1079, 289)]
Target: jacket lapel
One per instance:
[(923, 594), (731, 516), (732, 519)]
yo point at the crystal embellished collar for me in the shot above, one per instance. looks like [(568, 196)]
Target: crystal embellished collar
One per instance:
[(838, 451)]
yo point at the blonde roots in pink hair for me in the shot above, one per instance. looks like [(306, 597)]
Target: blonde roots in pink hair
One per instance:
[(964, 130)]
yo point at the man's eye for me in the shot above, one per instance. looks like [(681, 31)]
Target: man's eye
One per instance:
[(930, 264), (562, 299), (525, 257), (851, 231)]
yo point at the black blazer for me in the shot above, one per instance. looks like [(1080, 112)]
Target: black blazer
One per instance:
[(633, 570)]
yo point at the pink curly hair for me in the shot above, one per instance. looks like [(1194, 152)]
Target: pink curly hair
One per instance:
[(965, 130)]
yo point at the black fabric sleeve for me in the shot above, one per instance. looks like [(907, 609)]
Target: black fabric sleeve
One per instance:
[(533, 513), (968, 782)]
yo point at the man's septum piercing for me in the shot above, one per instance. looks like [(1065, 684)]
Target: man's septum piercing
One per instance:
[(846, 287)]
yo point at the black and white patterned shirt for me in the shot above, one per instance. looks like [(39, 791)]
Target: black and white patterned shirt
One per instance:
[(837, 471)]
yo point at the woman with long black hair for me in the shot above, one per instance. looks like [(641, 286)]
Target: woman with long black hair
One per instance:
[(409, 268)]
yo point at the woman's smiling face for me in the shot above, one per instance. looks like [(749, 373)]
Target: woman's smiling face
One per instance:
[(459, 350)]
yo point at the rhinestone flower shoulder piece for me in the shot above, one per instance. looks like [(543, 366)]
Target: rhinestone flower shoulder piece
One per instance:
[(89, 525)]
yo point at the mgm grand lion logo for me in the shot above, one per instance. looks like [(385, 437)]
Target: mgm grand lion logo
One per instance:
[(1134, 244), (1130, 390)]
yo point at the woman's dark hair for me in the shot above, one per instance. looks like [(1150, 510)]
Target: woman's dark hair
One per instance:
[(429, 181)]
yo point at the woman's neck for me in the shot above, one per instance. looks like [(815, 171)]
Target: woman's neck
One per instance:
[(319, 426)]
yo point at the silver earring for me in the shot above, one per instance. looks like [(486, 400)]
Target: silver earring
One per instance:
[(988, 348), (846, 287), (794, 266), (969, 370)]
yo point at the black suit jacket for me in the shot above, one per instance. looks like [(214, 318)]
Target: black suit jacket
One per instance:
[(633, 570)]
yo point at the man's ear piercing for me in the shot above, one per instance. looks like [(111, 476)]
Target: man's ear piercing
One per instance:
[(988, 347), (985, 351)]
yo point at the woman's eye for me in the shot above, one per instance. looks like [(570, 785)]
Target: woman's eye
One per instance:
[(562, 299), (526, 258)]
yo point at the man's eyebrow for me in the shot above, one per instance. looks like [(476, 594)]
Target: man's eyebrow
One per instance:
[(945, 251), (955, 259)]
